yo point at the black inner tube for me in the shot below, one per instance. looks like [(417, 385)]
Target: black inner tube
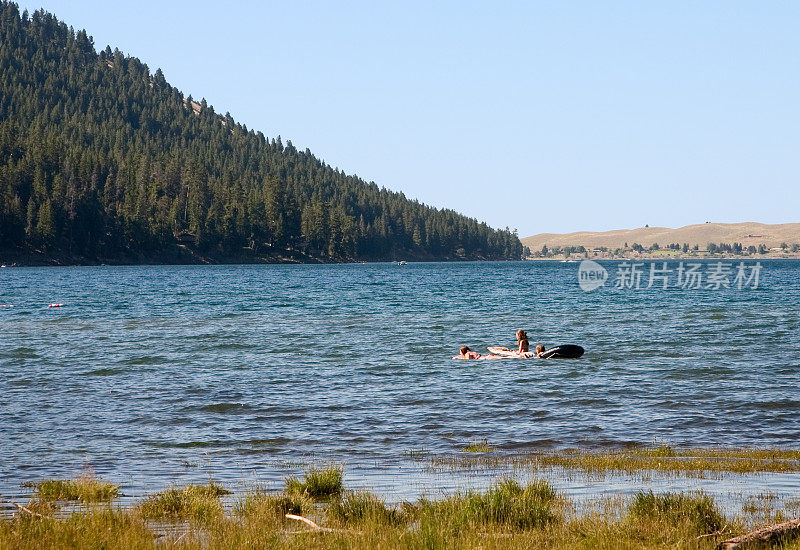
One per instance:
[(567, 351)]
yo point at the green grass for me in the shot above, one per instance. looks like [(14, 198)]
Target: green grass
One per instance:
[(697, 510), (662, 459), (273, 506), (92, 528), (195, 502), (713, 452), (356, 507), (508, 515), (318, 483), (482, 446), (506, 504), (84, 489)]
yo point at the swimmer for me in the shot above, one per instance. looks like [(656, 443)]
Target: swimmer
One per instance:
[(466, 353), (539, 350), (522, 338)]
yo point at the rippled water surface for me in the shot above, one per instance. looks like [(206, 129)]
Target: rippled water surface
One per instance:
[(155, 375)]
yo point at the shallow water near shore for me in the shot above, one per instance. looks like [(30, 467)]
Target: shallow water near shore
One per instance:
[(154, 375)]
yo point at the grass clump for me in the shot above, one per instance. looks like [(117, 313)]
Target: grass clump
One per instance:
[(273, 506), (506, 503), (522, 507), (482, 446), (198, 502), (84, 489), (318, 483), (698, 510), (361, 507)]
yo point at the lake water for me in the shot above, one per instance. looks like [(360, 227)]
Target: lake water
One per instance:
[(155, 375)]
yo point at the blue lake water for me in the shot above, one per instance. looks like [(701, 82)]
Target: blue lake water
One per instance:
[(154, 375)]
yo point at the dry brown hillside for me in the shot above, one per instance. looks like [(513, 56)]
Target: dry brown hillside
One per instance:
[(748, 233)]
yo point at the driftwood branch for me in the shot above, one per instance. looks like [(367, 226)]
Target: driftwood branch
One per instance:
[(316, 527), (765, 535), (29, 511), (308, 522)]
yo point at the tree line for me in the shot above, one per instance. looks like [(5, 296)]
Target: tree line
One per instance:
[(100, 160)]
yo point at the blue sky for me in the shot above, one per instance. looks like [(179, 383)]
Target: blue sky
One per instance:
[(541, 116)]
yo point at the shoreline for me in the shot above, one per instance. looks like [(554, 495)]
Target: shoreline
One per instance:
[(522, 509), (74, 262), (582, 474), (19, 264)]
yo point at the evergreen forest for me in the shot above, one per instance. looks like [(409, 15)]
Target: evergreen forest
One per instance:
[(103, 161)]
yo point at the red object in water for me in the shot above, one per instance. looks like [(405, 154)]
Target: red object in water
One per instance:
[(55, 305)]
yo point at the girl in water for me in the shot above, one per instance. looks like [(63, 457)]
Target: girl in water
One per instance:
[(522, 338)]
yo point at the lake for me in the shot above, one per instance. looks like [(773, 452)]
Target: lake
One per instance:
[(152, 375)]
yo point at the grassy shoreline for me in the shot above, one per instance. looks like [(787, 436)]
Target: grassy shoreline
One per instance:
[(662, 459), (82, 513)]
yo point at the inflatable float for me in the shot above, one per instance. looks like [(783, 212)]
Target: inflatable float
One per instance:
[(505, 352), (566, 351)]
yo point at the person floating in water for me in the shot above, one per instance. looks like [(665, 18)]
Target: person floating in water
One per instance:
[(539, 350), (522, 339), (466, 353)]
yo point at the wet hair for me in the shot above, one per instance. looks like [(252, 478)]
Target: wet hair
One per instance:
[(539, 348), (464, 349)]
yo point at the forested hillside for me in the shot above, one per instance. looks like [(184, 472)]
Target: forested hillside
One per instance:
[(100, 160)]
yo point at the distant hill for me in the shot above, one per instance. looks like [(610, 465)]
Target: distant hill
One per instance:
[(102, 160), (748, 233)]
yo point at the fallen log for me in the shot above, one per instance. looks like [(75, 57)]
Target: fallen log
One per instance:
[(316, 527), (764, 535)]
